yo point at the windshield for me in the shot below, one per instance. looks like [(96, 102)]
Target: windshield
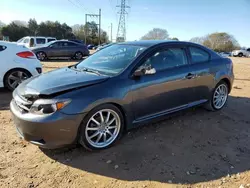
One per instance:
[(20, 40), (111, 60)]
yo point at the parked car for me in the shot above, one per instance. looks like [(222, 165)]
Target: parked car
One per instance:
[(225, 54), (118, 88), (91, 47), (241, 53), (17, 64), (77, 41), (61, 48), (104, 46), (31, 41)]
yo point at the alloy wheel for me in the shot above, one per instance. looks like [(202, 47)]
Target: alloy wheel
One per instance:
[(103, 128), (15, 78), (41, 56), (220, 96)]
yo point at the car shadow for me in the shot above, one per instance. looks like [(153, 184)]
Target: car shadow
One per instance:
[(5, 99), (190, 147)]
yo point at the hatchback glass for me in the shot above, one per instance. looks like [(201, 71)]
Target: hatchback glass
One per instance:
[(111, 60)]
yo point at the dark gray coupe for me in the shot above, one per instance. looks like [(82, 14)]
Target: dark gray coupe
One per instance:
[(61, 48), (118, 88)]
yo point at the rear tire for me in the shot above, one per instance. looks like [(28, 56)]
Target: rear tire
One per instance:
[(14, 77), (219, 97), (240, 54), (101, 128)]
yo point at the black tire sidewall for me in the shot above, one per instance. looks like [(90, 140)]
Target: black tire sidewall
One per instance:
[(45, 56), (76, 56), (212, 97), (81, 137)]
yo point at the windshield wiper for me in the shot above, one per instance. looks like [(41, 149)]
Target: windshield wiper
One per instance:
[(91, 70)]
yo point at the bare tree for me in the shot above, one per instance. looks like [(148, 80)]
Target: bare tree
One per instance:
[(156, 34), (221, 42)]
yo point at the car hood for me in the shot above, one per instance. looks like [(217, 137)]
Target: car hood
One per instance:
[(58, 81)]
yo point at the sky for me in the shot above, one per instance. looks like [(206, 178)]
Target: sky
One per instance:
[(183, 19)]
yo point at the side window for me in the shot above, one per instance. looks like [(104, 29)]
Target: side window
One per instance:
[(64, 44), (198, 55), (168, 58), (57, 44), (26, 40), (40, 40), (2, 48), (248, 49), (72, 44)]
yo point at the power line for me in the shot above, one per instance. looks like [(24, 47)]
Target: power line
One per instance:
[(76, 5)]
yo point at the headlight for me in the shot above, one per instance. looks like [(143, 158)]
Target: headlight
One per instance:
[(48, 106)]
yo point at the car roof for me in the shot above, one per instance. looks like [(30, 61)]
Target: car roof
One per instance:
[(148, 43)]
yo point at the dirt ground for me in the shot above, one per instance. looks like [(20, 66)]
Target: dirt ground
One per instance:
[(194, 148)]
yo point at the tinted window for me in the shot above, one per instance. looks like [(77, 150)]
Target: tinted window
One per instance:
[(2, 48), (72, 44), (168, 58), (26, 40), (40, 41), (49, 40), (248, 49), (57, 44), (198, 55)]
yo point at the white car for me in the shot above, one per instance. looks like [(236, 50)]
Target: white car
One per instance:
[(17, 64), (31, 42), (241, 53)]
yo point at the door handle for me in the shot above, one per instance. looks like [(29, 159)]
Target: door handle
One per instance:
[(190, 76)]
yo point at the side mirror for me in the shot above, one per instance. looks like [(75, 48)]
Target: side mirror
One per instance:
[(139, 72), (144, 70)]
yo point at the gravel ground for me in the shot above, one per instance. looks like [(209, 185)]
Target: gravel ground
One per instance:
[(194, 148)]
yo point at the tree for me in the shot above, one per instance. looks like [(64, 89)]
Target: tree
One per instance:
[(156, 34), (33, 26), (174, 38), (220, 42), (20, 23), (14, 31)]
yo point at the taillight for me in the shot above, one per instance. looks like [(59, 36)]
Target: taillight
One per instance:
[(26, 54)]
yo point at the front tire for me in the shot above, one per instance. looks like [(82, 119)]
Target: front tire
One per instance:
[(78, 55), (101, 128), (41, 56), (219, 97)]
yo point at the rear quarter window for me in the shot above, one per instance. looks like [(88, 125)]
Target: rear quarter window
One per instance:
[(2, 48), (198, 55)]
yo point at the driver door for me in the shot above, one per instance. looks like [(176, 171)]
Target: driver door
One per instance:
[(166, 89)]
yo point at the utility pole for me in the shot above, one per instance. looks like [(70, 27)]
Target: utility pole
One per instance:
[(85, 30), (121, 32), (100, 12), (111, 33), (99, 24)]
